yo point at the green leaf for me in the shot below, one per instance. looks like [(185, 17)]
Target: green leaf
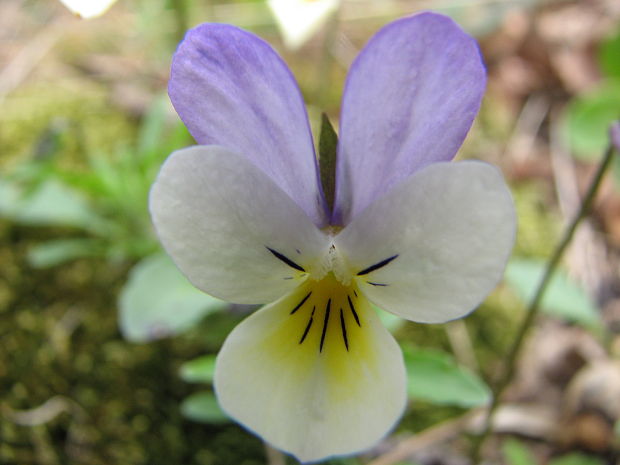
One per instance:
[(392, 322), (576, 459), (199, 370), (608, 56), (588, 118), (157, 301), (203, 407), (56, 252), (152, 127), (9, 198), (563, 298), (434, 376), (328, 144), (516, 453), (51, 204)]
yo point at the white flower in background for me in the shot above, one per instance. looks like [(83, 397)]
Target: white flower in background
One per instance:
[(88, 8), (298, 20)]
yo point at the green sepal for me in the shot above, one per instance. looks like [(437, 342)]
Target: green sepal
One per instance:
[(328, 143)]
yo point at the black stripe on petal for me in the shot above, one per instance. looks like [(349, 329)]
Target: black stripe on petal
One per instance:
[(303, 301), (376, 266), (357, 320), (285, 259), (344, 330), (306, 330), (329, 303)]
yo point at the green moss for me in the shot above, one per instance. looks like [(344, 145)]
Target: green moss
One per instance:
[(76, 113), (539, 227), (60, 338)]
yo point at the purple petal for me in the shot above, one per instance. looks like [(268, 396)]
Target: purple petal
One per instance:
[(614, 133), (232, 89), (410, 98)]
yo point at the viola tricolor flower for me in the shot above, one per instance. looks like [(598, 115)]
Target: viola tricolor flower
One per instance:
[(244, 217)]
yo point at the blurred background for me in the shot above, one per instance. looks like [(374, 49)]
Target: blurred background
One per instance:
[(107, 353)]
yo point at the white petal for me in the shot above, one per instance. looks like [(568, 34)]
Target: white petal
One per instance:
[(217, 214), (452, 228), (88, 8), (299, 20), (310, 400)]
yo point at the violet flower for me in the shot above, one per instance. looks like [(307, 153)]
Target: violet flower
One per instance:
[(244, 218)]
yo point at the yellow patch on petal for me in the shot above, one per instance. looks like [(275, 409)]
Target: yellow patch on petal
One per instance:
[(325, 323), (314, 373)]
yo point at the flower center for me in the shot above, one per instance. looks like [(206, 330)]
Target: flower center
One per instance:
[(326, 312), (334, 264), (328, 309)]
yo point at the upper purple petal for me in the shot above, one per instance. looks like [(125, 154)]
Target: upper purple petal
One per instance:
[(232, 89), (409, 100)]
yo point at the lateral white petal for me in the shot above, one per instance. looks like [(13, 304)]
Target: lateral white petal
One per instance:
[(310, 400), (217, 216), (452, 228)]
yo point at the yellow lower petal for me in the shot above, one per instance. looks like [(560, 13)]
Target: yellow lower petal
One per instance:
[(315, 373)]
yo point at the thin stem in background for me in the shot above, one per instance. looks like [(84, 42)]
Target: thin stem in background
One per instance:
[(274, 456), (533, 307), (431, 437), (462, 348), (181, 19)]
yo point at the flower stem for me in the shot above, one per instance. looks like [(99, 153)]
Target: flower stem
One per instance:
[(534, 305), (274, 456), (181, 19)]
